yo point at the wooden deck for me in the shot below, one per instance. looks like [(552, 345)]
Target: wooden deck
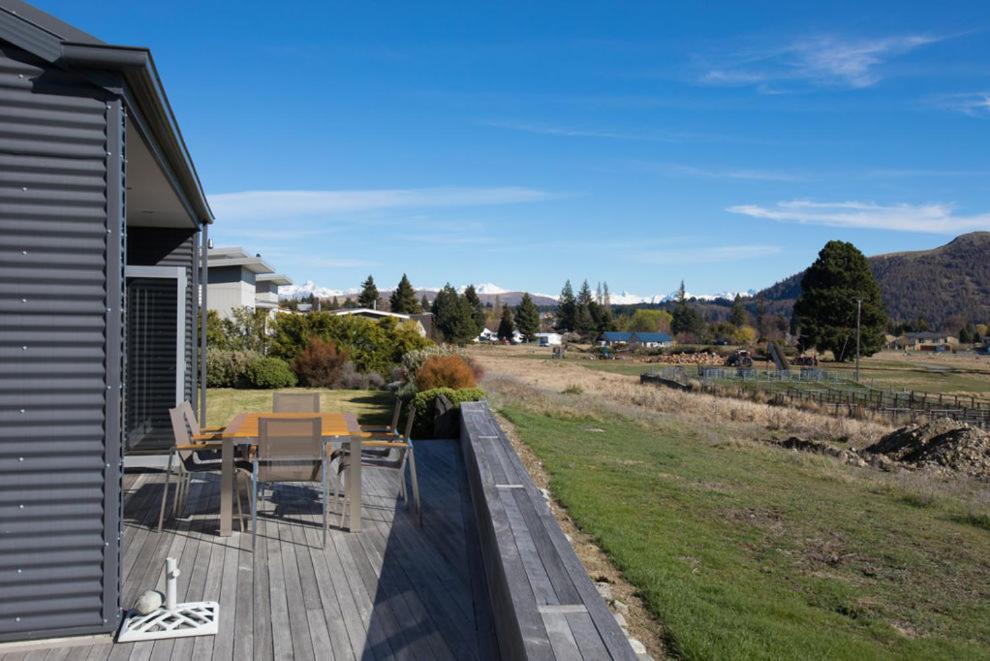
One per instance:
[(392, 590)]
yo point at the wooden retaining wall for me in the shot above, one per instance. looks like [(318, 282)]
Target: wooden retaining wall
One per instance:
[(544, 604)]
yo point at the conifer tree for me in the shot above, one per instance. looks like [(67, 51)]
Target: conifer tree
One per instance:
[(506, 327), (452, 316), (368, 298), (424, 303), (527, 318), (826, 308), (477, 309), (403, 299), (566, 308), (738, 315), (685, 318)]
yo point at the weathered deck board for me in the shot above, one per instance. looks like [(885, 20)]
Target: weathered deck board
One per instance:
[(392, 591)]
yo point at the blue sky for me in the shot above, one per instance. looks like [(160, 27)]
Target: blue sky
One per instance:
[(525, 143)]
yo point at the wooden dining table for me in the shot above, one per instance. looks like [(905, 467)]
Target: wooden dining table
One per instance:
[(337, 428)]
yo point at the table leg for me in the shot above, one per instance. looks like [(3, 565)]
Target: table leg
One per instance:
[(226, 487), (354, 485)]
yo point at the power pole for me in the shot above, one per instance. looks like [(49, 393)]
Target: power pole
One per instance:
[(859, 308)]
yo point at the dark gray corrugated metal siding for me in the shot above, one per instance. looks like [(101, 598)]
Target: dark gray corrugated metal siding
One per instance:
[(153, 246), (59, 404)]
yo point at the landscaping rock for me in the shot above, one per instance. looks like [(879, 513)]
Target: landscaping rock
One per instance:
[(620, 607), (637, 647), (446, 423), (605, 590), (621, 620)]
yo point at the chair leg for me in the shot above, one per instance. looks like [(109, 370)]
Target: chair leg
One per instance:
[(344, 477), (168, 476), (326, 499), (415, 486), (237, 497), (254, 507), (402, 480)]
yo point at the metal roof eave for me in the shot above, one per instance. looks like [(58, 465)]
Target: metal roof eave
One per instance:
[(55, 42)]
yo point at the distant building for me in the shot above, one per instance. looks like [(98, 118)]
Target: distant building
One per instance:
[(650, 340), (487, 335), (549, 339), (925, 341), (232, 279), (614, 338), (369, 313), (635, 339), (266, 289)]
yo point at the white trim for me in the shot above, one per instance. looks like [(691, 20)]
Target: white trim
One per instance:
[(179, 274)]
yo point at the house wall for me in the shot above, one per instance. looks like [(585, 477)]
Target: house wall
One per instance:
[(230, 287), (61, 372)]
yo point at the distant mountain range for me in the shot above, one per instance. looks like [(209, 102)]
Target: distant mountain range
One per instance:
[(937, 284), (490, 293)]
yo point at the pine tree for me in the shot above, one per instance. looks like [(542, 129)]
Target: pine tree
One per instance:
[(738, 315), (584, 322), (368, 298), (477, 309), (424, 303), (566, 308), (685, 318), (826, 308), (403, 299), (527, 318), (506, 328), (452, 316)]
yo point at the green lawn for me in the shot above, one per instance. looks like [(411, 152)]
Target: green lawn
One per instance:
[(745, 551), (373, 407)]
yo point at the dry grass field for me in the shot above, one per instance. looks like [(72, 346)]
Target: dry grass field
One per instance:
[(740, 549)]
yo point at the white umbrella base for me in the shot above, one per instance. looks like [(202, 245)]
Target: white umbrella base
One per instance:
[(197, 618)]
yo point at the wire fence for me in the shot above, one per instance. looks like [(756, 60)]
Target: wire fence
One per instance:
[(824, 391)]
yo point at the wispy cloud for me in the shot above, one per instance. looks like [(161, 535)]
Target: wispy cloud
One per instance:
[(604, 133), (825, 60), (742, 174), (930, 218), (275, 204), (708, 255), (974, 104)]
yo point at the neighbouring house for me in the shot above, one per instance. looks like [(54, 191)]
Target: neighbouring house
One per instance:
[(650, 340), (104, 232), (487, 335), (549, 339), (370, 313), (614, 338), (233, 279), (266, 290), (635, 339), (925, 341)]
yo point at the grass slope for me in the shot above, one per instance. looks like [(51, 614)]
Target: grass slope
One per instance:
[(746, 551)]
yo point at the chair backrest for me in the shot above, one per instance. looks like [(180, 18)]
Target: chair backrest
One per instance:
[(396, 414), (410, 419), (296, 402), (190, 416), (181, 431), (290, 450)]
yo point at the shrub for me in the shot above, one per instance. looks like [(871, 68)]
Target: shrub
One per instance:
[(445, 372), (228, 369), (374, 346), (270, 372), (424, 403), (350, 378), (320, 365), (413, 360)]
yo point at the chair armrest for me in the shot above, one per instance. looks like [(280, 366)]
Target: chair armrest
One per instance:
[(212, 430), (200, 438), (384, 444), (199, 446)]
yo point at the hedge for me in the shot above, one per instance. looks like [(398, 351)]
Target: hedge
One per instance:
[(424, 403), (270, 373)]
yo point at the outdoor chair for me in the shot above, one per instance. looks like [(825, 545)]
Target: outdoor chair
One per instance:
[(289, 450), (391, 428), (399, 454), (296, 402), (187, 458)]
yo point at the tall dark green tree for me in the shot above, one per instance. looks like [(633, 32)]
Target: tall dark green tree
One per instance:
[(584, 322), (527, 317), (477, 309), (738, 315), (566, 308), (424, 303), (685, 319), (452, 317), (506, 327), (826, 308), (368, 298), (403, 299)]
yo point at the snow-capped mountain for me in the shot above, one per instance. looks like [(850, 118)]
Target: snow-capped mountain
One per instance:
[(488, 292)]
